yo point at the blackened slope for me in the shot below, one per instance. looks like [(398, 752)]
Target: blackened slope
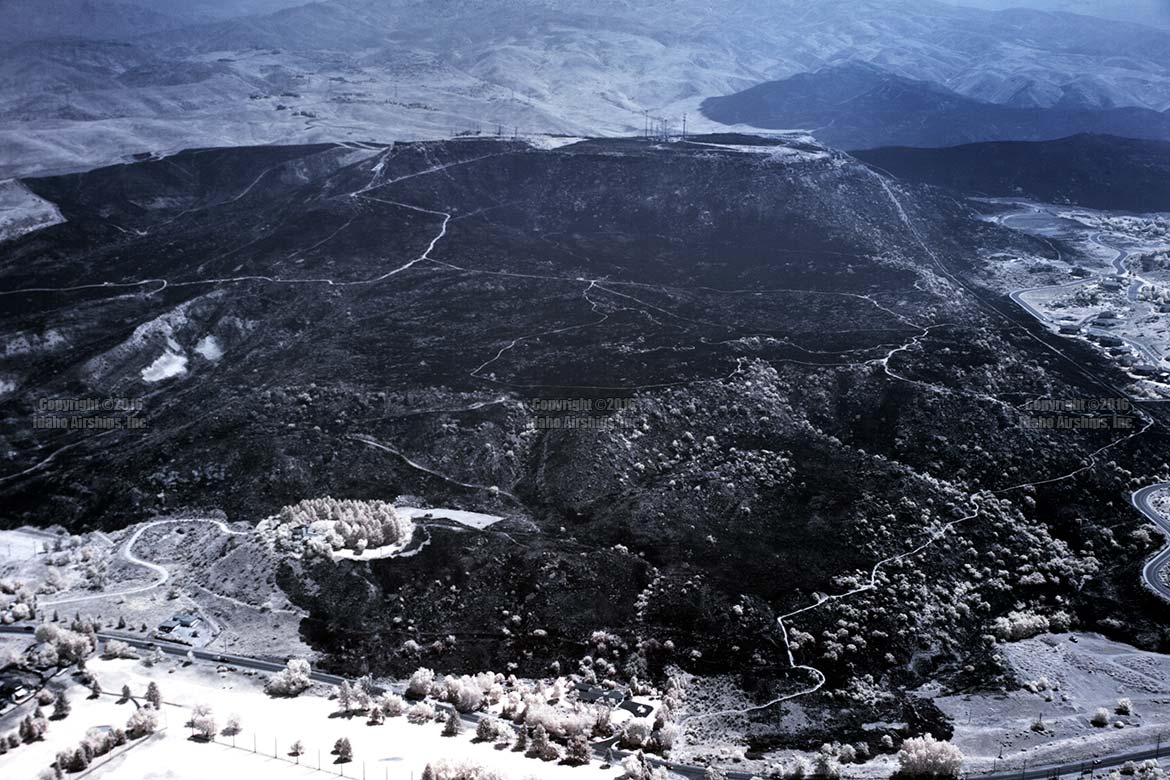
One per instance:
[(859, 106), (1097, 171)]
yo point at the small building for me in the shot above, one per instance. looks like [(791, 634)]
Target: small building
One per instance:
[(1145, 369), (180, 620), (1109, 341), (12, 689), (1111, 285), (1164, 308), (1070, 330)]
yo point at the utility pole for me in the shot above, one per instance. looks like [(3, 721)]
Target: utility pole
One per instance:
[(684, 127)]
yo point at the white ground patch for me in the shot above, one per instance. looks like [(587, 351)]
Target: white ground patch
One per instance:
[(209, 348), (475, 520), (6, 386), (552, 141), (165, 366), (396, 749), (23, 212), (20, 545), (1090, 673), (373, 553)]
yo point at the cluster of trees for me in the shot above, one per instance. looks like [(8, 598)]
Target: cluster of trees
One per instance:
[(17, 601), (926, 756), (142, 722), (293, 680), (637, 767), (95, 744), (202, 723), (1018, 624), (115, 648), (446, 769), (334, 524), (1144, 770), (63, 646)]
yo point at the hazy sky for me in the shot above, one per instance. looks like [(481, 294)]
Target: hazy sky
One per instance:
[(1152, 12)]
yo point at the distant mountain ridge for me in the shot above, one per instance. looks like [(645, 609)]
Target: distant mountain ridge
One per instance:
[(22, 20), (856, 105), (1095, 171), (401, 69)]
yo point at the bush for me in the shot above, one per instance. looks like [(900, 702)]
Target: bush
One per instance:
[(117, 649), (143, 721), (420, 683), (487, 730), (1100, 718), (636, 733), (453, 725), (464, 693), (636, 767), (420, 713), (292, 680), (1124, 706), (578, 751), (393, 705), (927, 757), (205, 726), (445, 769)]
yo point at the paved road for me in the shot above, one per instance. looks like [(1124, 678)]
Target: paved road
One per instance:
[(692, 772), (180, 651), (1141, 501)]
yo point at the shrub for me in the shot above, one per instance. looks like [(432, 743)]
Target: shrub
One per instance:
[(420, 682), (636, 733), (928, 757), (1100, 718), (578, 751), (205, 726), (487, 730), (292, 680), (117, 649), (393, 705), (143, 721), (420, 713), (446, 769)]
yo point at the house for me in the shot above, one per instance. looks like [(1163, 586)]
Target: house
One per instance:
[(1111, 285), (1145, 369), (1070, 330), (180, 620), (1109, 341), (12, 688)]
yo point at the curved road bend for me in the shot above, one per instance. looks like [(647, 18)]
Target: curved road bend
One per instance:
[(1141, 501)]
